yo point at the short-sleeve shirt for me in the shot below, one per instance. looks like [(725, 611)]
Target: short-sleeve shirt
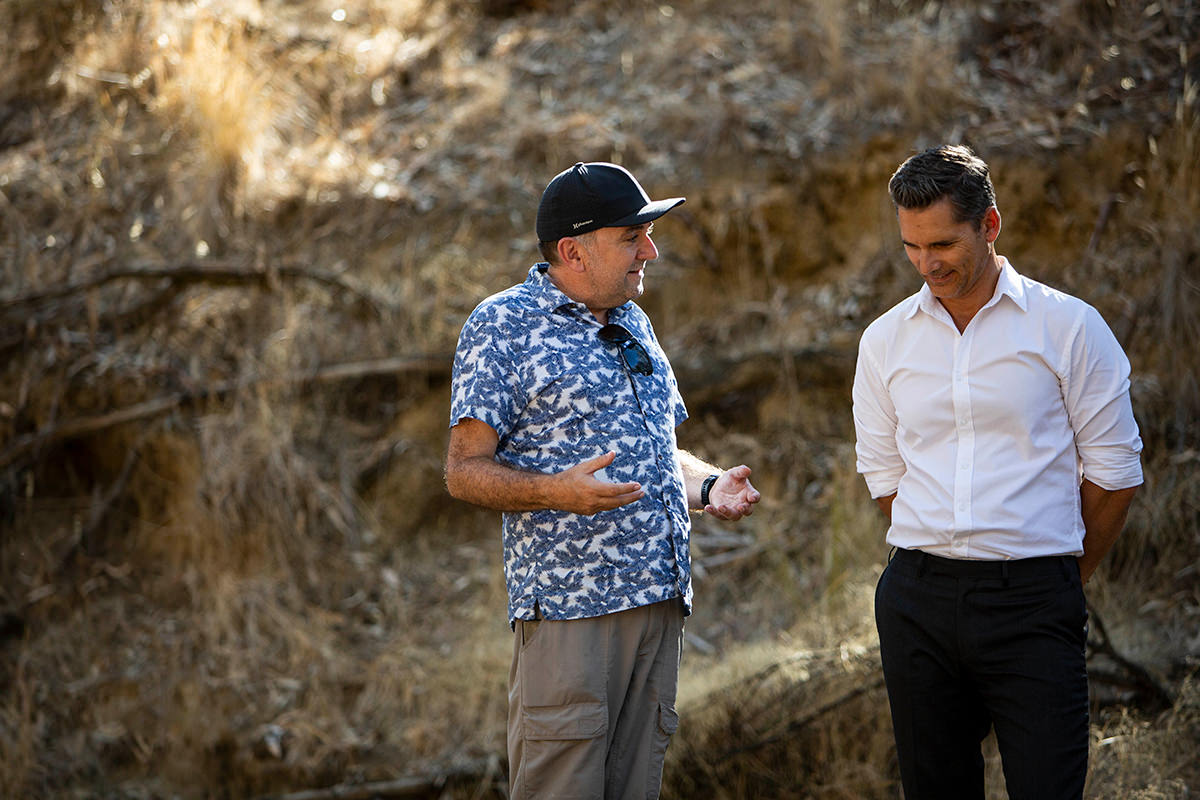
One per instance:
[(531, 365)]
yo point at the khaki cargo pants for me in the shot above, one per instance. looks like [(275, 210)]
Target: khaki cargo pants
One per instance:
[(591, 704)]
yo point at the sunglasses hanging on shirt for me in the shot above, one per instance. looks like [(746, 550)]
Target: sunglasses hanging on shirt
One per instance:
[(636, 357)]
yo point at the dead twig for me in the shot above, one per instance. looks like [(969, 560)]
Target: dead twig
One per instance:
[(12, 623), (1106, 211), (102, 504), (378, 463)]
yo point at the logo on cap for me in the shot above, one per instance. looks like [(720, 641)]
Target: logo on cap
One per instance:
[(601, 195)]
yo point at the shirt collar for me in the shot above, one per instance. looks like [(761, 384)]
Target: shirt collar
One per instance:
[(551, 299), (1008, 284)]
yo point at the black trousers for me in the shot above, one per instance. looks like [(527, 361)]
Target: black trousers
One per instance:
[(970, 645)]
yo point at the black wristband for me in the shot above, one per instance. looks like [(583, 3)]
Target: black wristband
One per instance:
[(704, 487)]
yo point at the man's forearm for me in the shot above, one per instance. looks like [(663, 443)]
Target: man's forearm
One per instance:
[(1104, 515), (695, 470), (485, 482), (885, 504)]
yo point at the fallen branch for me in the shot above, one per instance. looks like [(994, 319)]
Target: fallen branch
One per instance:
[(796, 725), (149, 409), (74, 428), (437, 365), (401, 787), (434, 365), (1139, 677), (124, 318), (212, 273), (730, 556)]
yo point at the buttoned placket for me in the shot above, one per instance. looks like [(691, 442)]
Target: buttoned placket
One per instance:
[(662, 468), (965, 452)]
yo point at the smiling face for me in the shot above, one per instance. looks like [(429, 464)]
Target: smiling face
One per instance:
[(956, 259), (604, 269)]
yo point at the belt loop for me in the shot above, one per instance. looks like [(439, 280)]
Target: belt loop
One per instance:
[(1004, 572), (922, 562)]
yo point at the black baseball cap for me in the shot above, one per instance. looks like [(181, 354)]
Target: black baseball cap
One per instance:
[(596, 195)]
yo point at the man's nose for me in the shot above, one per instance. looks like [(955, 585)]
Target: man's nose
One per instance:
[(923, 261), (646, 249)]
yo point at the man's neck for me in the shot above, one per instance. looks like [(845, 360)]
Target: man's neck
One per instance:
[(556, 278), (963, 309)]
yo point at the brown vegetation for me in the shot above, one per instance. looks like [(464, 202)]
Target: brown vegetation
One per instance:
[(237, 241)]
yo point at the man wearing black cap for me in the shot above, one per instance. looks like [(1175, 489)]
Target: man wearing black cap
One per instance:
[(563, 416)]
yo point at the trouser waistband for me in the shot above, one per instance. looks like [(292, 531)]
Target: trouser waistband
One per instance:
[(921, 562)]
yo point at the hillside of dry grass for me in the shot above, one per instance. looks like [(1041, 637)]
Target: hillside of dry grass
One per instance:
[(238, 239)]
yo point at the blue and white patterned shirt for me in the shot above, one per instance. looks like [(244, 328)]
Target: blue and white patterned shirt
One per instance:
[(531, 365)]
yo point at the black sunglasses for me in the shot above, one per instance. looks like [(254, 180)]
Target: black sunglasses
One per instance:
[(636, 357)]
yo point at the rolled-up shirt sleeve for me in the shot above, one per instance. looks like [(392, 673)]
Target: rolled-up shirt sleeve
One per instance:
[(876, 451), (1096, 395)]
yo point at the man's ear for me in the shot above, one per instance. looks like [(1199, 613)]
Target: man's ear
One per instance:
[(991, 224), (570, 253)]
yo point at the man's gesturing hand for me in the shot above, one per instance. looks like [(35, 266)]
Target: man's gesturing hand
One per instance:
[(579, 491), (732, 497)]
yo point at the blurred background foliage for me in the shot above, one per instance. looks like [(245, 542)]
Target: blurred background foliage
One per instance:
[(238, 239)]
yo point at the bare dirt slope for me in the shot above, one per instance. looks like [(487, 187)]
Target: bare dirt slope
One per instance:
[(238, 239)]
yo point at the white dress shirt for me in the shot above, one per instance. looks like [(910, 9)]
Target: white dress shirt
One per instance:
[(984, 436)]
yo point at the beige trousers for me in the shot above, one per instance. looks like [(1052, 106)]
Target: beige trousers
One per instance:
[(591, 704)]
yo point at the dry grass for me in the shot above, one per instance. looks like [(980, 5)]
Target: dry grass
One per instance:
[(20, 724), (273, 590), (1147, 758)]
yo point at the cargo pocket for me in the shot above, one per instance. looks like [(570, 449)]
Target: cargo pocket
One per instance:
[(668, 723), (564, 750), (529, 628)]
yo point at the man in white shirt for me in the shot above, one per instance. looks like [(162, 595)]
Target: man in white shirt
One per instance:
[(995, 431)]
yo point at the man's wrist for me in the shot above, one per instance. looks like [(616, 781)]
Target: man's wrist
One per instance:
[(705, 487)]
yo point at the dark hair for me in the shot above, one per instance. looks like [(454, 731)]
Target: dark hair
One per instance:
[(549, 250), (952, 171)]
